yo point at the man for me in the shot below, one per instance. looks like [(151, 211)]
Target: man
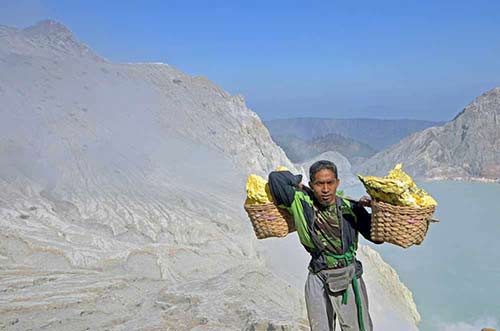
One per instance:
[(328, 228)]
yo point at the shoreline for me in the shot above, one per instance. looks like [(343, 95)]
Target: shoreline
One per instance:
[(463, 179)]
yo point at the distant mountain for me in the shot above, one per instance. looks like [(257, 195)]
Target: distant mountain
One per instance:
[(348, 147), (468, 147), (378, 134), (299, 150)]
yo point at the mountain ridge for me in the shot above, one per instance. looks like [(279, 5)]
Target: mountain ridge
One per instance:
[(466, 148), (377, 133)]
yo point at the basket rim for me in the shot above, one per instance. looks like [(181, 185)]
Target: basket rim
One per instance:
[(390, 205), (260, 204)]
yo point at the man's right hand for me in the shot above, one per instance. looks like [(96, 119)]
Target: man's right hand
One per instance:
[(365, 201)]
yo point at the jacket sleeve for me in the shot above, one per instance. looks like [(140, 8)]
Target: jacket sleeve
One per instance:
[(363, 221), (283, 185)]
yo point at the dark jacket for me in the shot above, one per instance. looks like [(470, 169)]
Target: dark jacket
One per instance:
[(353, 219)]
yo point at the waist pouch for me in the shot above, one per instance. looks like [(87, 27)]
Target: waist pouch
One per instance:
[(338, 280)]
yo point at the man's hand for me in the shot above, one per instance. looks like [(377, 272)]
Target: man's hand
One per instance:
[(365, 201)]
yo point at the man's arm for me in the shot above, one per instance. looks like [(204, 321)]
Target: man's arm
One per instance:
[(363, 218), (283, 185)]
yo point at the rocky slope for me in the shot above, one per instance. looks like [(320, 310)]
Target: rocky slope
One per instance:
[(121, 196), (466, 148), (119, 186)]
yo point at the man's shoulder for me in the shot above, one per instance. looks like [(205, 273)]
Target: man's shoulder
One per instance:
[(307, 194)]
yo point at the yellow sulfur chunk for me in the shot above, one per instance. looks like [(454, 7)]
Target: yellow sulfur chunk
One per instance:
[(388, 190), (398, 174), (388, 186), (397, 188), (423, 198), (249, 201), (258, 190)]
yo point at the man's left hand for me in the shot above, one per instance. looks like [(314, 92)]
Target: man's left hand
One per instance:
[(365, 201)]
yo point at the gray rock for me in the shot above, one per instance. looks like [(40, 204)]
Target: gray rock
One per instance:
[(466, 148), (121, 183)]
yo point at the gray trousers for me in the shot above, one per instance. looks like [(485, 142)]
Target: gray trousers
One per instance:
[(324, 308)]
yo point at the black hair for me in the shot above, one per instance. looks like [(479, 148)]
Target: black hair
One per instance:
[(320, 165)]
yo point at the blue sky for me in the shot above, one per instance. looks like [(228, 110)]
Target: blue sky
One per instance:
[(342, 59)]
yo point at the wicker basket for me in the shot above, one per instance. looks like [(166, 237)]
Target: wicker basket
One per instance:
[(269, 220), (400, 225)]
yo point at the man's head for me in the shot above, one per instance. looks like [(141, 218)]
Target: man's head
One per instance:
[(324, 181)]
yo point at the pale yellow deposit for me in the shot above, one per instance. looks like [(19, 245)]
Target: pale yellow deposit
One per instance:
[(397, 188), (258, 189)]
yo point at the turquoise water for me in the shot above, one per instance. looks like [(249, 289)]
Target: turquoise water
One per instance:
[(455, 274)]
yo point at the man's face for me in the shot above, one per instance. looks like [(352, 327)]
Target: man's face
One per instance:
[(324, 184)]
